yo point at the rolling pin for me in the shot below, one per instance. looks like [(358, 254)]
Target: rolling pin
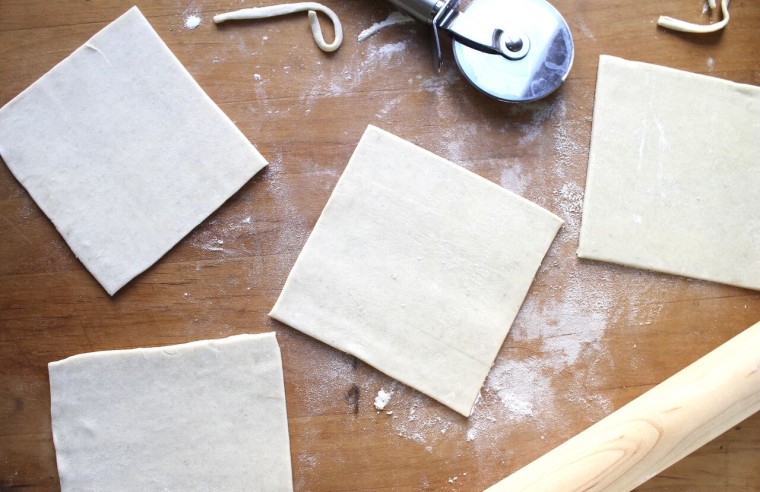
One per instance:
[(655, 430)]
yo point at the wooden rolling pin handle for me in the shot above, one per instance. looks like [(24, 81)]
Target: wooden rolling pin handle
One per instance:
[(656, 429)]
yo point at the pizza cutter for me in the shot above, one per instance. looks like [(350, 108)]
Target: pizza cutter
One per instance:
[(512, 50)]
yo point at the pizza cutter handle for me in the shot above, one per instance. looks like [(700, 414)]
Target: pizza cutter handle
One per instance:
[(429, 12), (443, 15)]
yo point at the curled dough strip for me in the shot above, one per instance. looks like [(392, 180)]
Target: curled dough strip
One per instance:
[(290, 8), (678, 25)]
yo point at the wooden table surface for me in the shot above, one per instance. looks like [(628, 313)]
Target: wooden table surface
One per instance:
[(589, 338)]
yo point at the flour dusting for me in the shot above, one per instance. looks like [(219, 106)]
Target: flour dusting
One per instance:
[(333, 372), (449, 75), (220, 236), (420, 422), (569, 200), (457, 145), (513, 178), (294, 230), (335, 81), (208, 240), (571, 143), (546, 114), (387, 51), (520, 386)]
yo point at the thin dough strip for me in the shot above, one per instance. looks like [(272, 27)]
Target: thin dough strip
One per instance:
[(679, 25), (291, 8)]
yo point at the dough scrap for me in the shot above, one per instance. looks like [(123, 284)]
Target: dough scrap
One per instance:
[(679, 25), (417, 267), (290, 8), (393, 19), (207, 415), (673, 174), (123, 151)]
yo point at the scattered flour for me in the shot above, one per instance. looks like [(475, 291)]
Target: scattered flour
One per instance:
[(295, 229), (437, 84), (520, 400), (307, 465), (390, 105), (208, 240), (583, 27), (247, 233), (393, 18), (571, 143), (521, 390), (457, 146), (513, 178), (546, 115), (308, 461), (472, 433), (26, 210), (211, 236), (387, 51), (420, 422), (365, 64), (570, 204)]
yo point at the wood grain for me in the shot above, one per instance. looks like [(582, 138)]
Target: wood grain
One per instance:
[(657, 429), (590, 338)]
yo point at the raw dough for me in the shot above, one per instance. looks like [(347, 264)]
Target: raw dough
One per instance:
[(123, 151), (291, 8), (679, 25), (206, 415), (674, 174), (417, 267)]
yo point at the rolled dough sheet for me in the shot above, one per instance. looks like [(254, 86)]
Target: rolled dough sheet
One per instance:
[(674, 174), (417, 267), (123, 151), (207, 415)]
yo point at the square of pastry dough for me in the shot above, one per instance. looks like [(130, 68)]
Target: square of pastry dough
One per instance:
[(207, 415), (123, 151), (674, 174), (417, 267)]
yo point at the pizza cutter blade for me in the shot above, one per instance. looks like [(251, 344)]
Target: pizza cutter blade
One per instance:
[(512, 50)]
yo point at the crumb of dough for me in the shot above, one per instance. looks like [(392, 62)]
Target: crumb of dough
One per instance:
[(382, 399), (192, 21)]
